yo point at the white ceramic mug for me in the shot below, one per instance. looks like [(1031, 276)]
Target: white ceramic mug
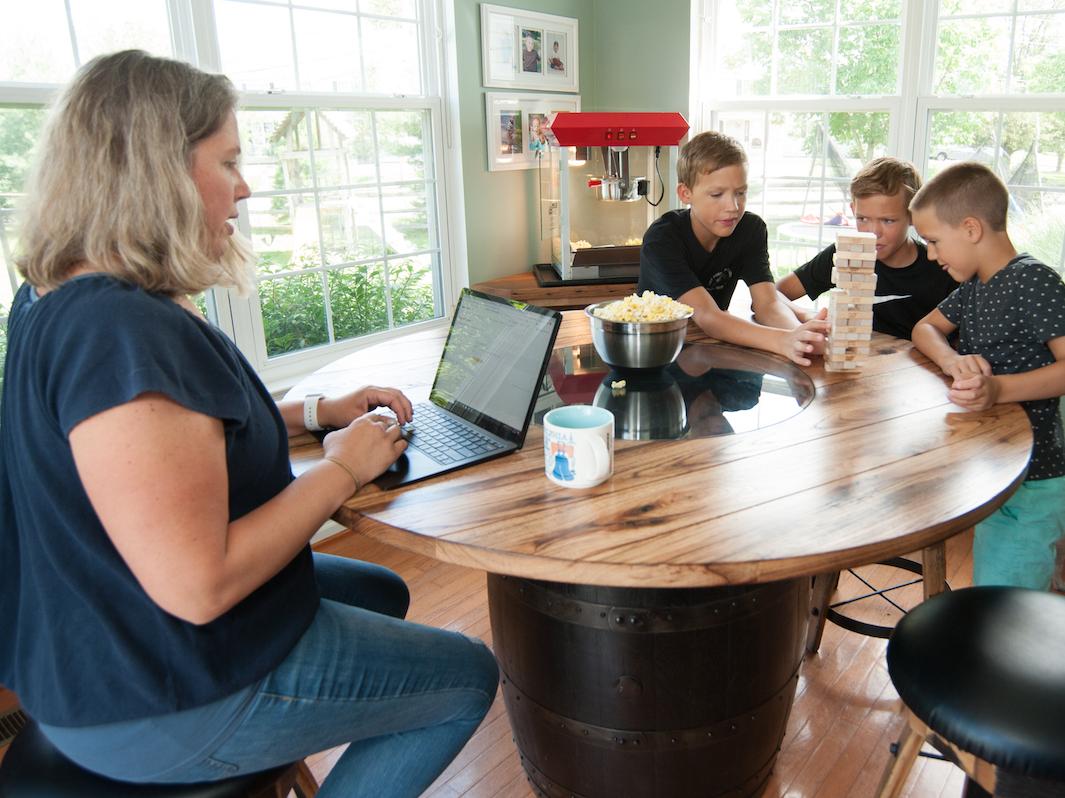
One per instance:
[(578, 445)]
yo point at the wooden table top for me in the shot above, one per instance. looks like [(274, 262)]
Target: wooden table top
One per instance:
[(879, 464)]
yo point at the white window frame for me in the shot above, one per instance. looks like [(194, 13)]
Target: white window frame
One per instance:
[(194, 39), (909, 110)]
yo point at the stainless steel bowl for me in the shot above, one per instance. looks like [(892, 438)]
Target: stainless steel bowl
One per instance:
[(649, 407), (636, 345)]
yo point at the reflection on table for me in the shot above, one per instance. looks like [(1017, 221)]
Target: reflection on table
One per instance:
[(711, 389)]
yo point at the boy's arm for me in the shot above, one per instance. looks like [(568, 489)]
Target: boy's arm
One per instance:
[(982, 391), (771, 308), (793, 344), (930, 337)]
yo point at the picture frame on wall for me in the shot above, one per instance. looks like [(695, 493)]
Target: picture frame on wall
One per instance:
[(528, 49), (517, 126)]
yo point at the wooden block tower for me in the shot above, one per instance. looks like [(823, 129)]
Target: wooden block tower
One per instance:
[(850, 303)]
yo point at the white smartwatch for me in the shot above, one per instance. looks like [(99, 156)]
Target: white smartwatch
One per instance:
[(310, 412)]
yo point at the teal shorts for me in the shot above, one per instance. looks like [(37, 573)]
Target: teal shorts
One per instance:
[(1018, 544)]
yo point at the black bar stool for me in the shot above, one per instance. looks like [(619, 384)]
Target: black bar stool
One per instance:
[(33, 768), (982, 674)]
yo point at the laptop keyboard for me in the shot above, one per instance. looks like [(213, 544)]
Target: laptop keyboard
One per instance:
[(438, 435)]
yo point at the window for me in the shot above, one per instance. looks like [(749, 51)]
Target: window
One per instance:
[(816, 89), (341, 124)]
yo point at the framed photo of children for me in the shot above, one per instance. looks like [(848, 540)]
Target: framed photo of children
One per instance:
[(528, 50), (517, 126)]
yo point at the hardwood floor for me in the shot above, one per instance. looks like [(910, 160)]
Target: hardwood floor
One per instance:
[(842, 724)]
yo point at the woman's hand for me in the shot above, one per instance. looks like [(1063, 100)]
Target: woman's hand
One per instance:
[(368, 445), (338, 412)]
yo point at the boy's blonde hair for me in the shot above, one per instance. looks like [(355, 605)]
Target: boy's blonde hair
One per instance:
[(707, 153), (112, 184), (887, 176), (965, 189)]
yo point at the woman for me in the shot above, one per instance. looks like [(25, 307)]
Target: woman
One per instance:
[(166, 621)]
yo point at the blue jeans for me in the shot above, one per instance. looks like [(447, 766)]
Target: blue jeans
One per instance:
[(406, 697)]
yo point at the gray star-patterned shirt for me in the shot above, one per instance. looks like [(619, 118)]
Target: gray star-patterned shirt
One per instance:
[(1009, 320)]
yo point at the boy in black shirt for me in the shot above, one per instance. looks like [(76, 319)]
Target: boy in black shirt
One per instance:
[(698, 255), (881, 193)]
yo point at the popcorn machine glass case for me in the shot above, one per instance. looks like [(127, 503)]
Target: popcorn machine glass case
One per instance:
[(602, 184)]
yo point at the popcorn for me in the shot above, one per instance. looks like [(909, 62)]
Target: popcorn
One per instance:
[(648, 306)]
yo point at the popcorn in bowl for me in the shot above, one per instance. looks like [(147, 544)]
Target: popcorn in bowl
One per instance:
[(647, 306)]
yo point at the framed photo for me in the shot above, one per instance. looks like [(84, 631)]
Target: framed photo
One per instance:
[(517, 126), (528, 50)]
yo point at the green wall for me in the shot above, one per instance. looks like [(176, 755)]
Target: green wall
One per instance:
[(633, 57)]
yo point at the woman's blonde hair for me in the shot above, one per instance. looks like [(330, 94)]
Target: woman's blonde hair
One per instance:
[(112, 186)]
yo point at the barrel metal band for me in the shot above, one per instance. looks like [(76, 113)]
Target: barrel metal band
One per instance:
[(671, 740), (638, 620), (546, 788)]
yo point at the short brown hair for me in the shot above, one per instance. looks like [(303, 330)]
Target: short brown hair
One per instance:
[(887, 176), (706, 153), (965, 189)]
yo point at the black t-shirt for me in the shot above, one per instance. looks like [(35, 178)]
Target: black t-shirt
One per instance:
[(925, 282), (1008, 321), (672, 261)]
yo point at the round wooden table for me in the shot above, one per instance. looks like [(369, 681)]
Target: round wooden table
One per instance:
[(650, 629)]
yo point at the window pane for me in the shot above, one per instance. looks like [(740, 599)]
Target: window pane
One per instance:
[(256, 45), (800, 11), (953, 7), (143, 24), (358, 300), (1038, 64), (284, 232), (402, 144), (411, 281), (391, 57), (275, 150), (805, 61), (961, 136), (389, 8), (35, 43), (1039, 228), (293, 313), (344, 153), (327, 45), (868, 60), (959, 70), (351, 225), (871, 9), (1041, 5), (743, 65), (406, 222)]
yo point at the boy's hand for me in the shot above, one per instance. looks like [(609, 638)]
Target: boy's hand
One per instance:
[(806, 339), (977, 392), (961, 367)]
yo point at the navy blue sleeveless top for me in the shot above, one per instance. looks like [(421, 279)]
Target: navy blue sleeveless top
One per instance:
[(80, 642)]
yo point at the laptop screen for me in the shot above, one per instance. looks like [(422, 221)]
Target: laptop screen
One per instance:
[(493, 362)]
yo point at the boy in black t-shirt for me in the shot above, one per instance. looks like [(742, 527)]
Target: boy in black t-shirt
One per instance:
[(1010, 316), (698, 255), (880, 194)]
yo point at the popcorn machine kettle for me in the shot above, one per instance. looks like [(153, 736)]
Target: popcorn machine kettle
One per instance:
[(601, 189)]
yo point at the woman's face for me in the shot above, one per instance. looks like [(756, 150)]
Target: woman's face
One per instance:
[(214, 167)]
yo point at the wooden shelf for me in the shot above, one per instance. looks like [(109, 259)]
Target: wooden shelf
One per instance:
[(524, 288)]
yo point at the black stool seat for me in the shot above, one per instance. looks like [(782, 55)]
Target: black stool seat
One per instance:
[(984, 667), (33, 768)]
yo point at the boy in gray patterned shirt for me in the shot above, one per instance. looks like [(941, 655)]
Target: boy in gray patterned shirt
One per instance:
[(1009, 312)]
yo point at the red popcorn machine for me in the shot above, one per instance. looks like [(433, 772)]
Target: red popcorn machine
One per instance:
[(602, 183)]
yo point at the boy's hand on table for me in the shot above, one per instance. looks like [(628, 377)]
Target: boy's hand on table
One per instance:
[(806, 339), (977, 392), (961, 367)]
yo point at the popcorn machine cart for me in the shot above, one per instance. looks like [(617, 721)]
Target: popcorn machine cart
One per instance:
[(601, 185)]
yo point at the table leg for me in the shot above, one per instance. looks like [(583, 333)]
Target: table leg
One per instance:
[(648, 692), (824, 586), (935, 569)]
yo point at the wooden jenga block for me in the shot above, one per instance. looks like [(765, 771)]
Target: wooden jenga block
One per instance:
[(856, 240)]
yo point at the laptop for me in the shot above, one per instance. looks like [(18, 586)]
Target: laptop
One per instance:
[(485, 388)]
